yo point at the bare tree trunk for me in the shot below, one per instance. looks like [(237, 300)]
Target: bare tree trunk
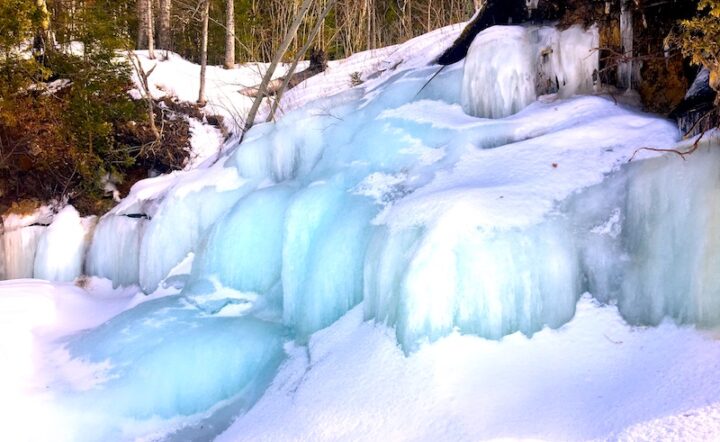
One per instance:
[(145, 86), (142, 23), (203, 52), (300, 55), (149, 23), (42, 33), (289, 37), (230, 34), (164, 33)]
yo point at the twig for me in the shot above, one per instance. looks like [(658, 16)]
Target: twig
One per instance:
[(699, 120), (431, 79), (682, 155), (611, 340)]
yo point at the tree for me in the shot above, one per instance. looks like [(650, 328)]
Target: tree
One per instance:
[(289, 37), (301, 54), (142, 27), (41, 41), (203, 51), (229, 34), (164, 33), (149, 24)]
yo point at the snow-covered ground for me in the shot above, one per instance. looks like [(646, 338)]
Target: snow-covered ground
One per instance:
[(386, 261), (596, 378), (174, 77)]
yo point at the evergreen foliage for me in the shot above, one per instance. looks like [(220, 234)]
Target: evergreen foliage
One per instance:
[(63, 139), (699, 39)]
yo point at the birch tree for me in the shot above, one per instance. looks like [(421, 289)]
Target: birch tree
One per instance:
[(230, 34), (203, 51), (149, 31), (289, 37)]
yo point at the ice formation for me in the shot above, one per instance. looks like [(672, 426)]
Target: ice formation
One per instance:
[(20, 236), (396, 194), (61, 248), (166, 358), (509, 66)]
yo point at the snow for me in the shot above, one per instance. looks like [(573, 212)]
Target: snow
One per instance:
[(174, 77), (596, 378), (205, 140), (32, 314)]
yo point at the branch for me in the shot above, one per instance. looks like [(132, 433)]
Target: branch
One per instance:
[(145, 85), (682, 155), (289, 37)]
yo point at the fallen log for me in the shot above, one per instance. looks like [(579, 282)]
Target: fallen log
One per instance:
[(318, 64)]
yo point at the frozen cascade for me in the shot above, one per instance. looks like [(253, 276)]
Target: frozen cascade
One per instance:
[(509, 66), (61, 248), (183, 217), (20, 237), (20, 246), (640, 248), (115, 249), (391, 194), (671, 233)]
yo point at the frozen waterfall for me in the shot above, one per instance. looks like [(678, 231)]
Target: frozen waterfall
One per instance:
[(460, 204)]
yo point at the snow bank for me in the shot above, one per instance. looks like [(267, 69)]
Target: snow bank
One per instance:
[(596, 378), (33, 314)]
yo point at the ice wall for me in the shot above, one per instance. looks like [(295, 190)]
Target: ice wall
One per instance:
[(671, 232), (20, 246), (183, 217), (507, 67), (487, 282)]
